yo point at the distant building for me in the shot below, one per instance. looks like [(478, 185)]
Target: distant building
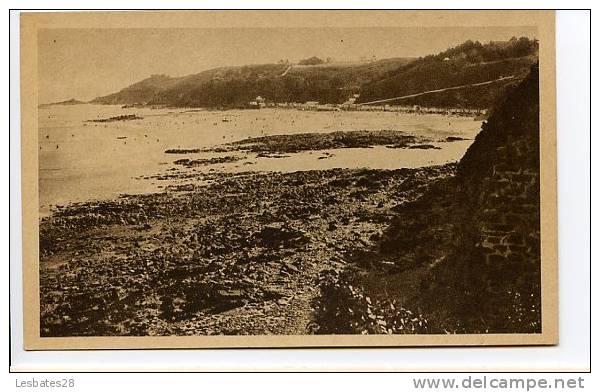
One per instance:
[(351, 101), (259, 102), (446, 58)]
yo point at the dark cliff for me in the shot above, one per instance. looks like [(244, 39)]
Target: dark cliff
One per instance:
[(476, 235), (490, 280)]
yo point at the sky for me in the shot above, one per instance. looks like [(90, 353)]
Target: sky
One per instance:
[(86, 63)]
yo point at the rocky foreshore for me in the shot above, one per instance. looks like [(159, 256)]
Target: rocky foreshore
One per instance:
[(240, 254)]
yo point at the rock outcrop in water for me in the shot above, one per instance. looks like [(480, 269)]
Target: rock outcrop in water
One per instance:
[(68, 102)]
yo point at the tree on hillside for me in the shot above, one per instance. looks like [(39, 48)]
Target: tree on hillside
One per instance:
[(314, 60)]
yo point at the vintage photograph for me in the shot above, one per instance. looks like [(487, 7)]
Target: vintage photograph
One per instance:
[(291, 181)]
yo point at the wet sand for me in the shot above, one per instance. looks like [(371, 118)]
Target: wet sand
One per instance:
[(81, 160)]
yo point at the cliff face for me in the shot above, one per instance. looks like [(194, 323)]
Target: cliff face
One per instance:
[(491, 276), (499, 177)]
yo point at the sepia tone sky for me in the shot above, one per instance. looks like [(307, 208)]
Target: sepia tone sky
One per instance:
[(86, 63)]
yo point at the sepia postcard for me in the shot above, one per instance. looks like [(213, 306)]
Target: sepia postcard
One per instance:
[(195, 179)]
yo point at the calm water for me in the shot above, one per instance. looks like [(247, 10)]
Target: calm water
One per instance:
[(81, 160)]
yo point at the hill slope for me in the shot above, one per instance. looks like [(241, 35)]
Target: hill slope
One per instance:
[(236, 86), (468, 63), (140, 92)]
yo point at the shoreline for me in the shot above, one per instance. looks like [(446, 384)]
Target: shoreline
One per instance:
[(477, 113)]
